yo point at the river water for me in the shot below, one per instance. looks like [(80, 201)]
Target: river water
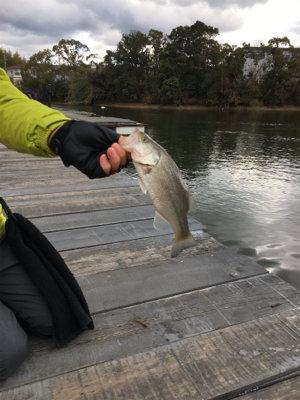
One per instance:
[(243, 169)]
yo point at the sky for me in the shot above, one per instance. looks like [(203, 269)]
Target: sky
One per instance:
[(28, 26)]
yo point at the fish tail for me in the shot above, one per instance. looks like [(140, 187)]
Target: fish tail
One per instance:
[(179, 245)]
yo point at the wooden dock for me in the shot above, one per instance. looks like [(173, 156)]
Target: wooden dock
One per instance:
[(214, 324), (119, 125)]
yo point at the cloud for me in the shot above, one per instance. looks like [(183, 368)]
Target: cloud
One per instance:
[(162, 15), (296, 29), (43, 20), (35, 25), (221, 4)]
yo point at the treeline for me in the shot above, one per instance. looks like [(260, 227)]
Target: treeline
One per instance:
[(188, 66), (7, 58)]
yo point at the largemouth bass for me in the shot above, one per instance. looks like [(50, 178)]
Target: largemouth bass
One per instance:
[(160, 177)]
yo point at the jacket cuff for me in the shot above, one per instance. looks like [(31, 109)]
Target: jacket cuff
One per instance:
[(42, 132)]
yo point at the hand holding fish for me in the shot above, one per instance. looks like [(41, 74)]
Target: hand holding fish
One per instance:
[(92, 149), (160, 177), (115, 158)]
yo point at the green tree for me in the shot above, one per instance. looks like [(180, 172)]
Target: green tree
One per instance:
[(157, 44), (189, 50), (8, 59), (43, 57), (38, 71), (129, 66), (170, 91), (281, 82), (70, 52), (81, 88)]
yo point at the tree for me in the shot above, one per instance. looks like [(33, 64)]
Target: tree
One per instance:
[(170, 91), (132, 49), (157, 43), (71, 52), (43, 57), (189, 49), (129, 65), (7, 58), (281, 81)]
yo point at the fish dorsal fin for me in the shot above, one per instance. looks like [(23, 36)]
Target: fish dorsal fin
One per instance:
[(192, 207), (160, 223), (142, 186)]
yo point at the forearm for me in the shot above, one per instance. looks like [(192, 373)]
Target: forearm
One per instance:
[(25, 124)]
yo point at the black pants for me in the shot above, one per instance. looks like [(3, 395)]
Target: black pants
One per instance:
[(21, 308), (49, 99)]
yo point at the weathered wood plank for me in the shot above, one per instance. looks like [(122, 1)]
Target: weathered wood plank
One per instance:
[(91, 260), (93, 236), (62, 179), (16, 166), (105, 216), (167, 321), (219, 364), (67, 208), (42, 174), (287, 390), (34, 199), (154, 280), (55, 186), (108, 214)]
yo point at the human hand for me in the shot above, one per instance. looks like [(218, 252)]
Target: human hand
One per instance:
[(91, 148), (115, 158)]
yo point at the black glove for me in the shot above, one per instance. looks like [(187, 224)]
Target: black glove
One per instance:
[(81, 144)]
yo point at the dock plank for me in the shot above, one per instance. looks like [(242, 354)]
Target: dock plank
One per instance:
[(56, 186), (114, 256), (103, 234), (66, 209), (104, 216), (168, 321), (36, 180), (76, 196), (245, 358), (287, 390), (109, 214), (151, 281)]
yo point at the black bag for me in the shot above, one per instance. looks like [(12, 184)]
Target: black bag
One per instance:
[(52, 277)]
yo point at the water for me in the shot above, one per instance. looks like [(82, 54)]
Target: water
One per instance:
[(243, 169)]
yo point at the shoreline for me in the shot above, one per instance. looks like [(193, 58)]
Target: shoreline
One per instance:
[(199, 107), (186, 107)]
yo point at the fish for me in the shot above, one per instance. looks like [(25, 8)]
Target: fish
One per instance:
[(160, 177)]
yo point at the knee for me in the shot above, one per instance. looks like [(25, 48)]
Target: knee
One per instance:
[(13, 351)]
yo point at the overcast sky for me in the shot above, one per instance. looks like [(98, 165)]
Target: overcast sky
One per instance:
[(28, 26)]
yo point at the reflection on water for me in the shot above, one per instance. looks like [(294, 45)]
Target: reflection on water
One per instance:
[(243, 168)]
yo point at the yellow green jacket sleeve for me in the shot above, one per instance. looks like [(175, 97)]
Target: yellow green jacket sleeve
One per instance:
[(2, 223), (25, 124)]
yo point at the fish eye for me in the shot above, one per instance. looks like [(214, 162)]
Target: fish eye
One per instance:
[(144, 139)]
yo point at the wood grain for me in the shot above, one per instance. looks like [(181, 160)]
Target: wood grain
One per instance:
[(153, 280), (114, 256), (214, 365), (71, 206), (287, 390), (168, 321)]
